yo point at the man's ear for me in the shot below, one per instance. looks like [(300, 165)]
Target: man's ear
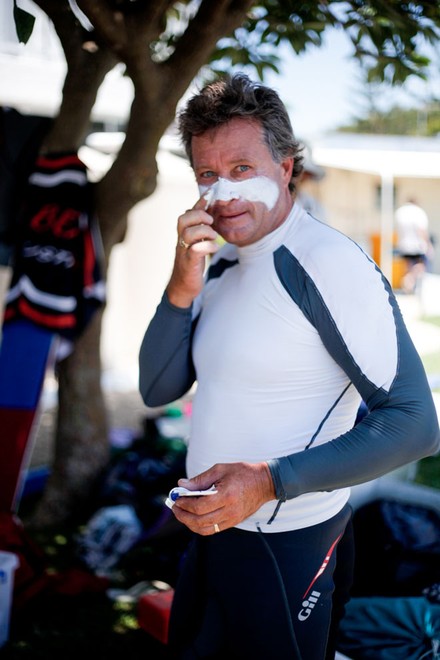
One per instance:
[(287, 167)]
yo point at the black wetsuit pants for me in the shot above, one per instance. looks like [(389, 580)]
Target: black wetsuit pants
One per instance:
[(263, 596)]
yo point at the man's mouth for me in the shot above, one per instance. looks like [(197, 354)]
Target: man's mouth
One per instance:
[(229, 217)]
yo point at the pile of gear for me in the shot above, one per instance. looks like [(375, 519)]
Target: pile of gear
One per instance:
[(395, 607)]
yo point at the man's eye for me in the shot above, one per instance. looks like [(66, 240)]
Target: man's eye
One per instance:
[(207, 175), (243, 168)]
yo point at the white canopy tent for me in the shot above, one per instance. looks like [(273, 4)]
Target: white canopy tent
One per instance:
[(387, 157)]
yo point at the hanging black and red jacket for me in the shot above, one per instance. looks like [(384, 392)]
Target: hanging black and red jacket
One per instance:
[(57, 280)]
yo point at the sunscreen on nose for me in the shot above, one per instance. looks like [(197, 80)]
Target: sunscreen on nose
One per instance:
[(258, 189)]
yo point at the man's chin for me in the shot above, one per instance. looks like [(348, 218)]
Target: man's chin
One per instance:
[(233, 234), (235, 238)]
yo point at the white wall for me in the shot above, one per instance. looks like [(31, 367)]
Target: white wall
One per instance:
[(141, 266)]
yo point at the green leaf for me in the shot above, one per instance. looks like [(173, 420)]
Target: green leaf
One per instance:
[(24, 24), (388, 36)]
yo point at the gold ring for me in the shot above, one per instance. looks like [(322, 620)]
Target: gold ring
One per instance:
[(216, 528), (183, 244)]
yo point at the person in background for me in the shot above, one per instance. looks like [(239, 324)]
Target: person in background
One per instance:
[(413, 243), (289, 328)]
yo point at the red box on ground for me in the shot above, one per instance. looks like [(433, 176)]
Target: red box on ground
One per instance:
[(154, 613)]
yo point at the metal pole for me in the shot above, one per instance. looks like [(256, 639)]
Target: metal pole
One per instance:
[(387, 225)]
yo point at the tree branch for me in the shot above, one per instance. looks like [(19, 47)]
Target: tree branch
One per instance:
[(85, 73), (108, 23), (122, 32), (212, 21)]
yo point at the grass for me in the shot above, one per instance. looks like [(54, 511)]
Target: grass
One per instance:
[(72, 627), (435, 320), (428, 472), (432, 360), (432, 365)]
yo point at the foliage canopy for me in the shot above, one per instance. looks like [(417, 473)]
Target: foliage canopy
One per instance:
[(386, 36)]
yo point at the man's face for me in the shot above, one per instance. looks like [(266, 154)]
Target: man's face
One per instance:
[(236, 152)]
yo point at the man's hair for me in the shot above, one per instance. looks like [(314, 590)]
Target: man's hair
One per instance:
[(237, 96)]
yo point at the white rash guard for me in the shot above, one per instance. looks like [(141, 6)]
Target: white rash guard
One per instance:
[(287, 336)]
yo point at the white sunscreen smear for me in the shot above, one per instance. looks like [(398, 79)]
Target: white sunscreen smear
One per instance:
[(258, 189)]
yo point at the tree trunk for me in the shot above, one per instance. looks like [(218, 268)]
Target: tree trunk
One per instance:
[(81, 436), (81, 444)]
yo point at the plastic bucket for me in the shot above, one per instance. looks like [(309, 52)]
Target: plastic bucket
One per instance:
[(8, 564)]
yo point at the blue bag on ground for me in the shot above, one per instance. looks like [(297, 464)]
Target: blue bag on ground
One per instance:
[(380, 628)]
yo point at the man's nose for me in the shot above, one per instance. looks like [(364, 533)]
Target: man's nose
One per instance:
[(225, 191), (221, 203)]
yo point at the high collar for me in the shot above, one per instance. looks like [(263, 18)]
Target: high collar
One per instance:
[(273, 240)]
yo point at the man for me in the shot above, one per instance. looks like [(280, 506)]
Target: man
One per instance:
[(413, 243), (292, 325)]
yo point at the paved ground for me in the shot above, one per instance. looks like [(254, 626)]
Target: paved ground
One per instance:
[(426, 336), (125, 408)]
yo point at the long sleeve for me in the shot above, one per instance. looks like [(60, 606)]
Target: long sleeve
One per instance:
[(401, 425), (166, 371)]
